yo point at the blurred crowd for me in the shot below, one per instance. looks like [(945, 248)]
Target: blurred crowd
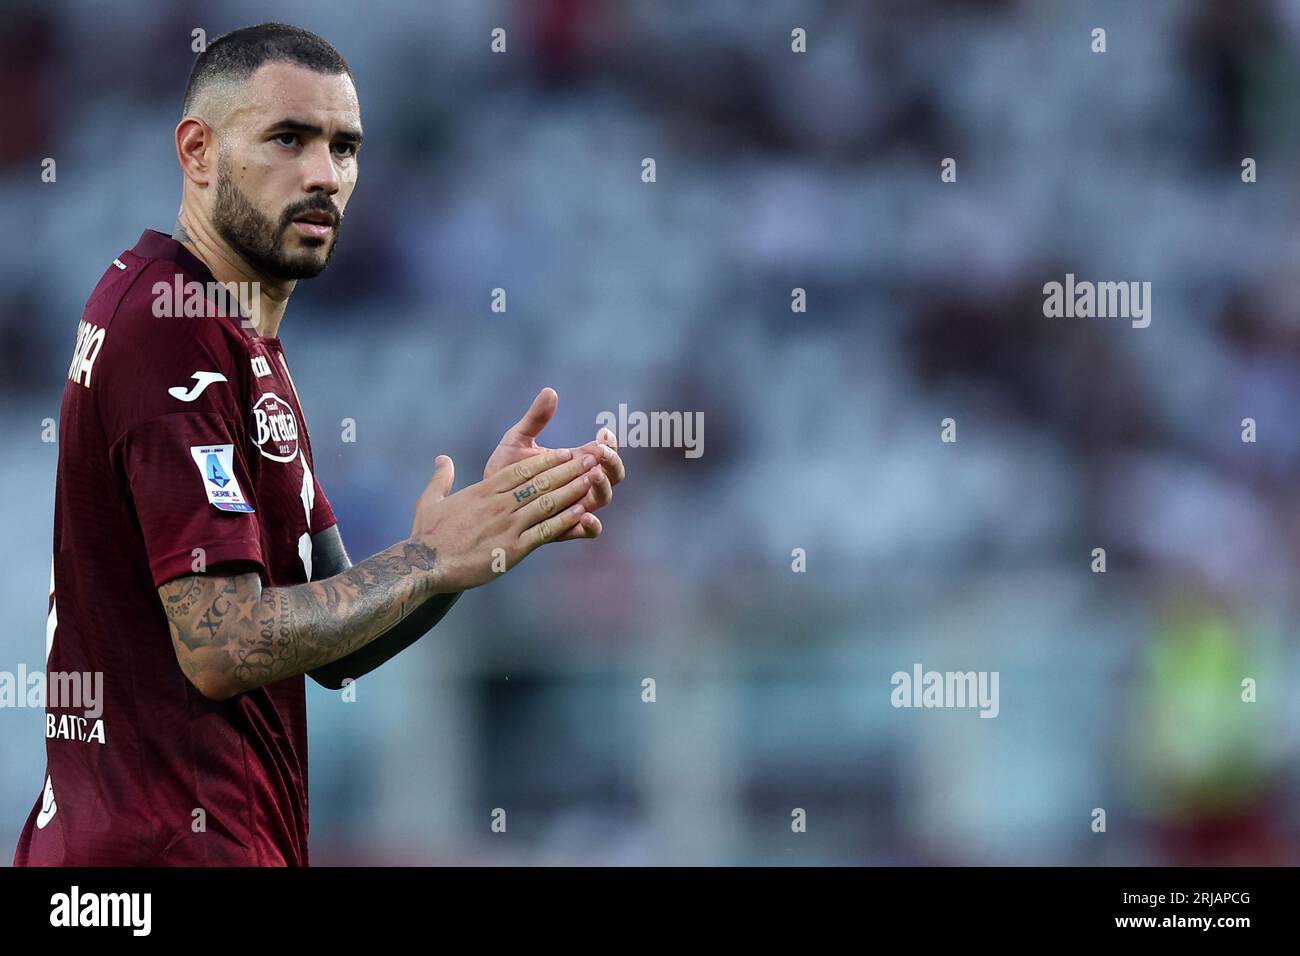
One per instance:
[(775, 170)]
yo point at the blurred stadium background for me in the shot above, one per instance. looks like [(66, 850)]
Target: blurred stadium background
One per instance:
[(522, 171)]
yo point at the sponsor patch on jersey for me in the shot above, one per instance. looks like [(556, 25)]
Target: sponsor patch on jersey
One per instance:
[(216, 465), (275, 428)]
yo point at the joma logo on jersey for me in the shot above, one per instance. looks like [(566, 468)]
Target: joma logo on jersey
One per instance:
[(275, 428)]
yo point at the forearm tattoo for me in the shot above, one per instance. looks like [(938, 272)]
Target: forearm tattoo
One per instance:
[(232, 626)]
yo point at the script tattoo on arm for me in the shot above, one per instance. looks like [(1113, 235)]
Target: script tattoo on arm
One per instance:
[(232, 635), (330, 557)]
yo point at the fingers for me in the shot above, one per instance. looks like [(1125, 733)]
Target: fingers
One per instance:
[(554, 492), (552, 528), (552, 502), (611, 465), (607, 458), (588, 527), (605, 448), (444, 476), (539, 414), (553, 478), (602, 491), (523, 471)]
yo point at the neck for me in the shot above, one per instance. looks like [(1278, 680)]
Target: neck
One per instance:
[(227, 267)]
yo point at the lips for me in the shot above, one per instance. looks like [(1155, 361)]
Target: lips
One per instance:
[(316, 223), (324, 218)]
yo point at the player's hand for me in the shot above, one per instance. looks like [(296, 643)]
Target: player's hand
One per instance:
[(520, 442), (488, 528)]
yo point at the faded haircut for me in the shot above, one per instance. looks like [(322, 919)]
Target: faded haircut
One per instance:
[(237, 55)]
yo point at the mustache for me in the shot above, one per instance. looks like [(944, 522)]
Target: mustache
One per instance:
[(318, 203)]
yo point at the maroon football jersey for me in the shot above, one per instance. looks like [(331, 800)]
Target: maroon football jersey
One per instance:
[(181, 444)]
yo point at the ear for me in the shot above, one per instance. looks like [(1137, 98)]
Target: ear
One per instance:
[(196, 150)]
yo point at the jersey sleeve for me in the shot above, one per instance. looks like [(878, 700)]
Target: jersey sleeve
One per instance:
[(168, 393), (191, 493), (322, 513)]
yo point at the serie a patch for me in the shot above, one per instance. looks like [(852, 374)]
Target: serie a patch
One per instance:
[(216, 464)]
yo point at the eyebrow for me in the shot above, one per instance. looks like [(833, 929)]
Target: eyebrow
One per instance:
[(311, 129)]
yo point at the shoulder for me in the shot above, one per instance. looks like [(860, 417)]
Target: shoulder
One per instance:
[(166, 311), (165, 350)]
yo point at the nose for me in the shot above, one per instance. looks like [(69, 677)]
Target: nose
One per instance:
[(320, 174)]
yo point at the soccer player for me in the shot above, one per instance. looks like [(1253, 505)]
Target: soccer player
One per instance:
[(197, 562)]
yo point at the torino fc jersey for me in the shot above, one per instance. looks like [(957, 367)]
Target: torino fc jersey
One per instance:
[(181, 445)]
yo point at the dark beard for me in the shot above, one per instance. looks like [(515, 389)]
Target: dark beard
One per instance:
[(257, 240)]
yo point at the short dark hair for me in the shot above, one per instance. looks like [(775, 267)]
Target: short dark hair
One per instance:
[(238, 54)]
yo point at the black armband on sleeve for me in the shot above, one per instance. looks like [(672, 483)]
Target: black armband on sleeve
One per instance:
[(389, 644), (329, 558)]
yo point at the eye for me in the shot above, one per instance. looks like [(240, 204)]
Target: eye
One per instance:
[(346, 149), (281, 137)]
